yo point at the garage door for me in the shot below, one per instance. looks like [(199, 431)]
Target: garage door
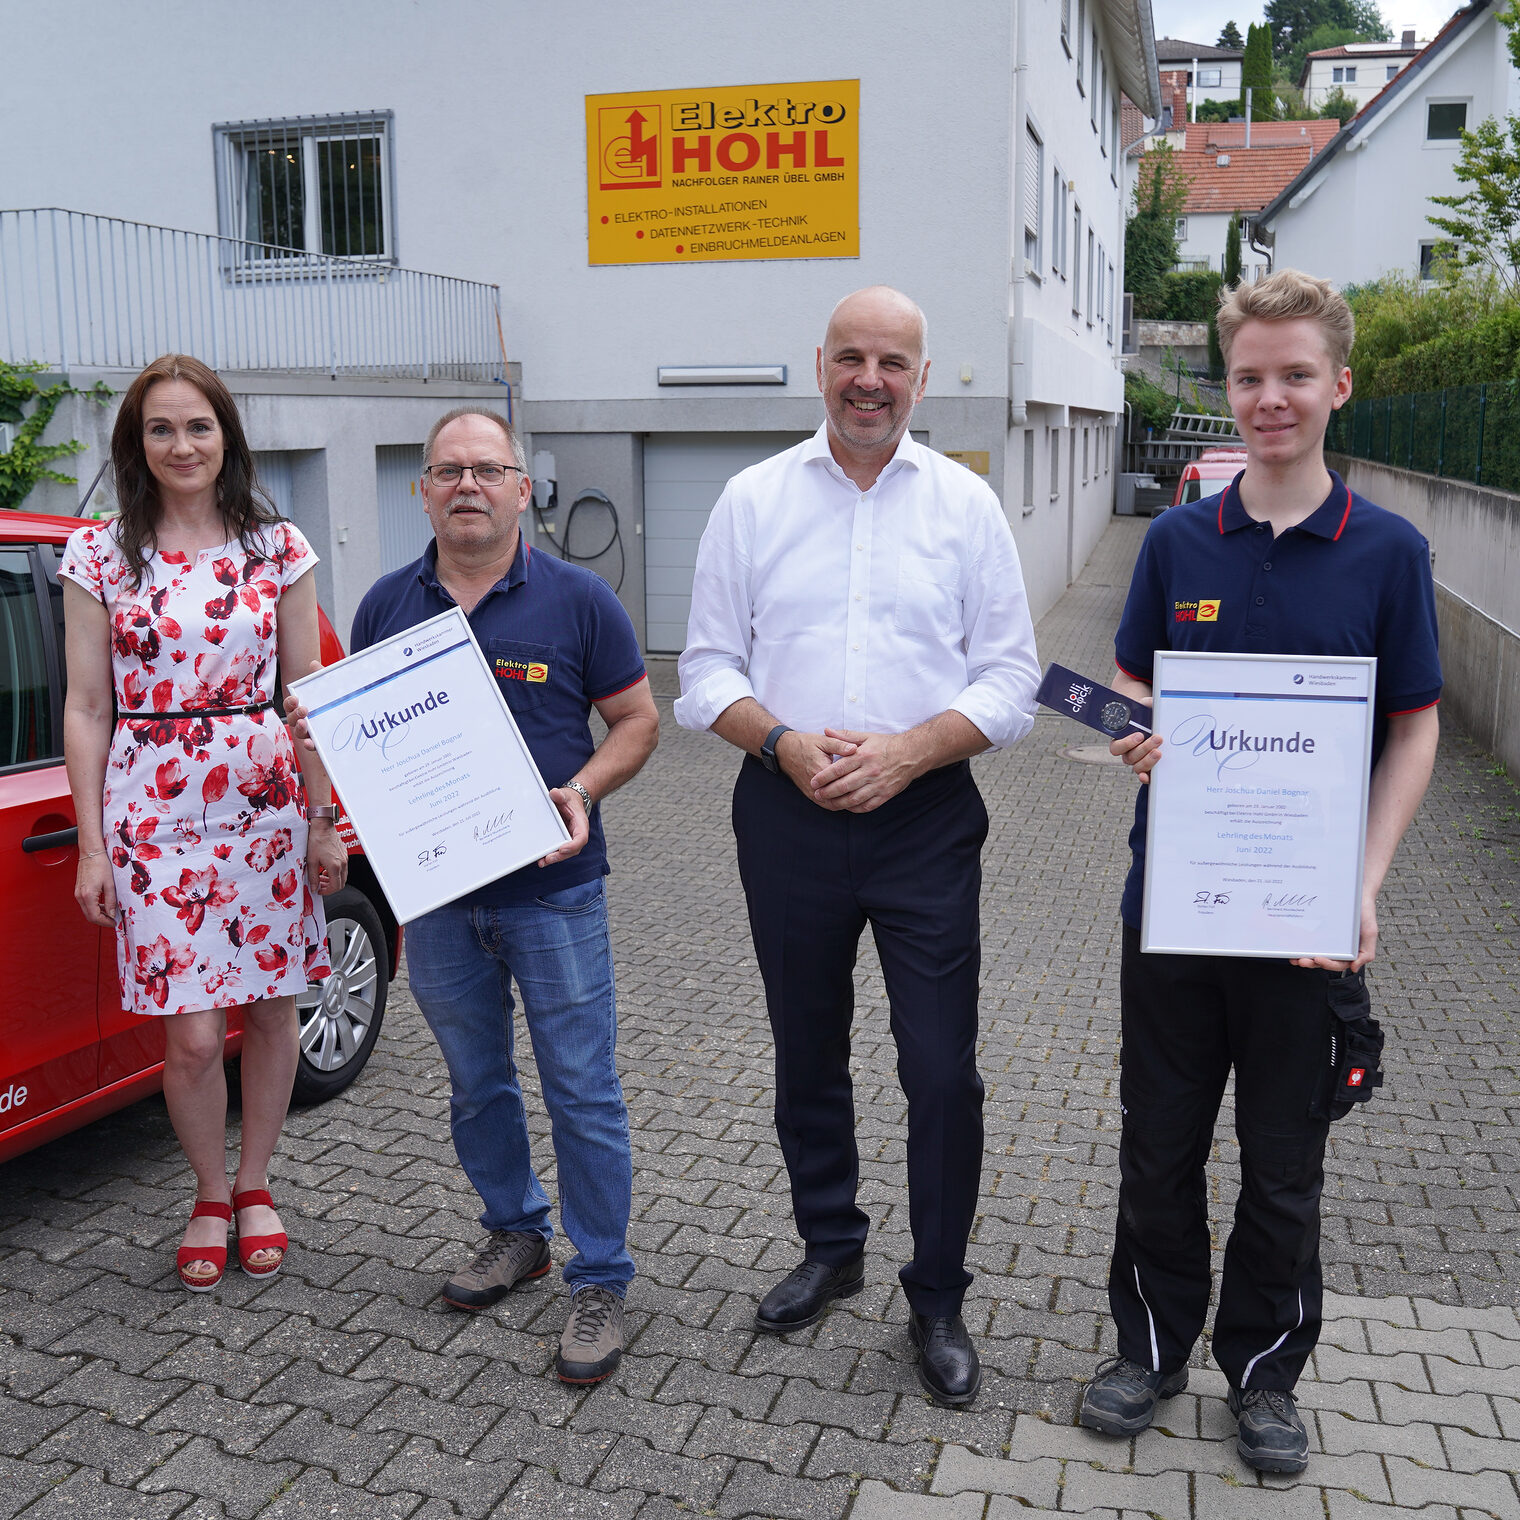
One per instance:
[(404, 529), (684, 474)]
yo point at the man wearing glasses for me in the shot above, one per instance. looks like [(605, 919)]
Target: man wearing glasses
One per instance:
[(560, 644)]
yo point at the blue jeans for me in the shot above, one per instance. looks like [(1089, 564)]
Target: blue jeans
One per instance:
[(461, 963)]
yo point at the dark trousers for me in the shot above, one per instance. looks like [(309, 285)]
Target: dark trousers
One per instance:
[(1186, 1020), (814, 880)]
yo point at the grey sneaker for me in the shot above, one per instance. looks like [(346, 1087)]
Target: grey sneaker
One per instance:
[(1272, 1438), (592, 1344), (503, 1259)]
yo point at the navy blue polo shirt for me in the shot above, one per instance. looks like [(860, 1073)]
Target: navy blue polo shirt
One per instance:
[(558, 640), (1351, 579)]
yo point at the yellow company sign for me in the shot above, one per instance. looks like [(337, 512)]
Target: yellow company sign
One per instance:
[(742, 172)]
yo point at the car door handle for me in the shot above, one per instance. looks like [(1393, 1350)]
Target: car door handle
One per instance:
[(35, 842)]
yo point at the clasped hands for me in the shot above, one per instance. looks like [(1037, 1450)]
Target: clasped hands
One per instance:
[(848, 772)]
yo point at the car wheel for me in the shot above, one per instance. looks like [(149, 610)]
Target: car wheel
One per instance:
[(340, 1019)]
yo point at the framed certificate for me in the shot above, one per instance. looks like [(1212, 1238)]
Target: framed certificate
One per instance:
[(433, 772), (1258, 808)]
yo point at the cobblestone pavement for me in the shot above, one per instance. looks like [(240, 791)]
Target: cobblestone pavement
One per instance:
[(344, 1388)]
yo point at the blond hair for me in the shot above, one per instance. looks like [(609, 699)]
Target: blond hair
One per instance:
[(1286, 296)]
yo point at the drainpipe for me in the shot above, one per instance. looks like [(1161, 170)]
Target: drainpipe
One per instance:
[(1018, 360), (1248, 116), (1193, 93)]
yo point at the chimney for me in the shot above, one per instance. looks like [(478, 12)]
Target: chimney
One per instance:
[(1407, 38)]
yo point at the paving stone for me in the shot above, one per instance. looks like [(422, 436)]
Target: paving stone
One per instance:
[(473, 1488), (86, 1494), (315, 1493), (352, 1456), (21, 1482), (878, 1502), (241, 1484), (454, 1427), (1414, 1486), (120, 1396), (1340, 1436), (755, 1491), (124, 1453), (783, 1448), (1343, 1506), (1035, 1480), (1473, 1454), (23, 1425), (633, 1464), (538, 1496)]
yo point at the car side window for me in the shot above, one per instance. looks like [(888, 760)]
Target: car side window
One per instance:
[(29, 731)]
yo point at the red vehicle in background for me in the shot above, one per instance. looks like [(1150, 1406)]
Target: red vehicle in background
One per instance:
[(69, 1053), (1209, 474)]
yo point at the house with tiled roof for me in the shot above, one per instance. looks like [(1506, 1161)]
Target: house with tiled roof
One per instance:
[(1359, 70), (1202, 72), (1230, 167), (1359, 209)]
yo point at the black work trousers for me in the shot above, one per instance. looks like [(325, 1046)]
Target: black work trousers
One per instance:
[(814, 879), (1186, 1020)]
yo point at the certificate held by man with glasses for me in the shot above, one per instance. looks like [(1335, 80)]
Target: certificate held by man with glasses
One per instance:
[(430, 765)]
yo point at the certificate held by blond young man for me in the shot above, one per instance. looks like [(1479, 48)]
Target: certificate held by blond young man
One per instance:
[(430, 765), (1258, 808)]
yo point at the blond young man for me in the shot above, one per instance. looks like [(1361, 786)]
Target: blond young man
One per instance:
[(1298, 564)]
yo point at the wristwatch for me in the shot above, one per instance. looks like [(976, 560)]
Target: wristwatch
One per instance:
[(575, 786), (768, 749), (327, 810)]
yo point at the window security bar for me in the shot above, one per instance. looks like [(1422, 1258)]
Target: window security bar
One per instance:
[(95, 292)]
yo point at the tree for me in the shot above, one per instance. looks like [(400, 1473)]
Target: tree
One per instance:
[(1150, 237), (1484, 220), (1339, 105), (1256, 74), (1232, 253), (1292, 60), (1216, 110), (1229, 37), (1292, 21)]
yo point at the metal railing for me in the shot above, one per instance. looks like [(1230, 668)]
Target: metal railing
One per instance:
[(96, 292), (1469, 432)]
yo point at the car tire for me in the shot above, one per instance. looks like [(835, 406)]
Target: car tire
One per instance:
[(340, 1019)]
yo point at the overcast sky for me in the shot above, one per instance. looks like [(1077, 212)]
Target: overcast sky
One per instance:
[(1200, 20)]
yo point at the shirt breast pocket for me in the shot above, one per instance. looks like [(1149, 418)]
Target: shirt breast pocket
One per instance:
[(928, 597), (523, 671)]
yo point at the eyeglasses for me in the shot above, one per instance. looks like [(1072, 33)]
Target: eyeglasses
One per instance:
[(485, 474)]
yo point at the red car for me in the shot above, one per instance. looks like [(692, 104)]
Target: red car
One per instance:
[(1209, 474), (68, 1051)]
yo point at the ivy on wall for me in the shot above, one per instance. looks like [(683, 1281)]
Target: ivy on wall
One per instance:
[(28, 459)]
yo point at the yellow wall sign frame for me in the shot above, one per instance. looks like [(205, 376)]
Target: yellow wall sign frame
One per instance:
[(736, 172)]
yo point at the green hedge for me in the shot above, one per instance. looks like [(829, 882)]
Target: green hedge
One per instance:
[(1488, 350), (1152, 405), (1191, 295)]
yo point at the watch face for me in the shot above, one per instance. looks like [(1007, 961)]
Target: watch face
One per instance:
[(1114, 716)]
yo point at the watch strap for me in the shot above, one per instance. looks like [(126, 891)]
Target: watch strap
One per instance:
[(575, 786), (768, 748)]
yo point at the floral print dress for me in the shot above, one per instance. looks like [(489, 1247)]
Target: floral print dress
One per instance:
[(205, 816)]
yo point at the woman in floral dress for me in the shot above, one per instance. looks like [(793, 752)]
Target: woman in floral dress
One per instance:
[(193, 829)]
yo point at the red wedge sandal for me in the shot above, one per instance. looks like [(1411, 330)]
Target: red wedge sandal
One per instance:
[(248, 1244), (216, 1255)]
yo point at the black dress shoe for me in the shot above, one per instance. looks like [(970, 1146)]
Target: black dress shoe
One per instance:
[(800, 1298), (948, 1367)]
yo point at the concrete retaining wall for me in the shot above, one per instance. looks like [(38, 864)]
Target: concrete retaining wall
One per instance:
[(1475, 545)]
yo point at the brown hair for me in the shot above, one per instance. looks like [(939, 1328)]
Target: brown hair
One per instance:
[(474, 411), (1286, 296), (245, 507)]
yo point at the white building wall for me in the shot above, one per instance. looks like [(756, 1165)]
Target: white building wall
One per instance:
[(1371, 77), (1364, 213), (490, 185)]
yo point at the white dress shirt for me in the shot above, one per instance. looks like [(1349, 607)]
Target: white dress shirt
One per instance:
[(871, 610)]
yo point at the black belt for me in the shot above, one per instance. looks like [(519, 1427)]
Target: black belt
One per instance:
[(204, 712)]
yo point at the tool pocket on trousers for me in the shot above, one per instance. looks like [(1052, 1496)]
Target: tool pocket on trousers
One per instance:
[(1354, 1067)]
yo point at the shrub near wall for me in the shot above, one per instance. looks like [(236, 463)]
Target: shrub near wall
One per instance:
[(1191, 295), (1488, 350)]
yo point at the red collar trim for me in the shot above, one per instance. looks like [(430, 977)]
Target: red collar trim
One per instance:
[(1335, 537)]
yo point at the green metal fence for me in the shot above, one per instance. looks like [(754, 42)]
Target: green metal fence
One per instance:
[(1468, 432)]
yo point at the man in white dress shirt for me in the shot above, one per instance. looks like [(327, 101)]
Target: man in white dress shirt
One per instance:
[(859, 629)]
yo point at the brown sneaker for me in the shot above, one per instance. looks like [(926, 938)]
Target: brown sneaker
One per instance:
[(503, 1259), (592, 1344)]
